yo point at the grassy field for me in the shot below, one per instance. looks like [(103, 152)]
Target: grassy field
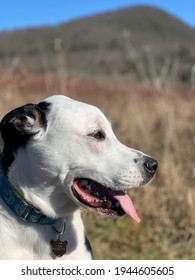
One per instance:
[(160, 123)]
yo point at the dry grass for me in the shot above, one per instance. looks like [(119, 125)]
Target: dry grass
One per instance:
[(160, 124)]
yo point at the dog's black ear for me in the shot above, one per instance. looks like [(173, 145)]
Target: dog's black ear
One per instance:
[(17, 127), (27, 120)]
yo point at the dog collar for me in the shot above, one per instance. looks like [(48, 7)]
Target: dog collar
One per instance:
[(19, 205)]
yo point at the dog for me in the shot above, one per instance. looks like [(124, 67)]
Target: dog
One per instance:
[(56, 157)]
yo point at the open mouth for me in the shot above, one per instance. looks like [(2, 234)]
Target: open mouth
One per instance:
[(103, 200)]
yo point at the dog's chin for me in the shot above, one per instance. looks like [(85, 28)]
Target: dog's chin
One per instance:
[(103, 200)]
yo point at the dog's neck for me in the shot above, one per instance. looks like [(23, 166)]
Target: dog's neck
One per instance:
[(19, 205)]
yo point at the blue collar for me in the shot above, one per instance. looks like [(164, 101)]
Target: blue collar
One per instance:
[(19, 205)]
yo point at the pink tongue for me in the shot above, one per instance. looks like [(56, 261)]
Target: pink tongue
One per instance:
[(127, 205)]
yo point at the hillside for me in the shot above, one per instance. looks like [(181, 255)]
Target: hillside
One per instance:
[(105, 45)]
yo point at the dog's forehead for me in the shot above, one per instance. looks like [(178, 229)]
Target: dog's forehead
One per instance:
[(63, 107)]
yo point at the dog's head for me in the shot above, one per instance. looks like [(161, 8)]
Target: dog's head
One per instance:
[(61, 154)]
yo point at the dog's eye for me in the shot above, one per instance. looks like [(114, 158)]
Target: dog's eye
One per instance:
[(99, 135)]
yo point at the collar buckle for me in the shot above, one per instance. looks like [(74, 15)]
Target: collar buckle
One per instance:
[(28, 212)]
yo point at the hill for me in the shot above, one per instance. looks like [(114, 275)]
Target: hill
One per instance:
[(134, 42)]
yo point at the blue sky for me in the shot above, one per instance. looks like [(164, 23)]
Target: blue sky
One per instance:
[(16, 14)]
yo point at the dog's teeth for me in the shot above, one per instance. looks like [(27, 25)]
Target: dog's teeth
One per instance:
[(88, 187), (117, 204), (84, 183), (104, 198), (96, 193)]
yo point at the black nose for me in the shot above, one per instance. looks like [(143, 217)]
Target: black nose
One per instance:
[(150, 164)]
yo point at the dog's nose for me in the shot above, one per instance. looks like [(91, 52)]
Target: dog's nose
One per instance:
[(150, 164)]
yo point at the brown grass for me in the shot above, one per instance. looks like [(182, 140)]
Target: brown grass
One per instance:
[(158, 123)]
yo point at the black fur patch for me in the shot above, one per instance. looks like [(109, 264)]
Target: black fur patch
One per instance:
[(88, 246)]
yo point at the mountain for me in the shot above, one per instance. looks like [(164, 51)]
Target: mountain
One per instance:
[(109, 44)]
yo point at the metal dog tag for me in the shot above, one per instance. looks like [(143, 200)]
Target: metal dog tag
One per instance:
[(59, 247)]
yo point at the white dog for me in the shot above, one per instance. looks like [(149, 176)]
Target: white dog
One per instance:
[(56, 157)]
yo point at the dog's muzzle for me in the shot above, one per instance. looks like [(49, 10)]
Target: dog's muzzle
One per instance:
[(108, 201)]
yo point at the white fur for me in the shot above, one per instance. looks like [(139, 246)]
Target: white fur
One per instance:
[(44, 170)]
